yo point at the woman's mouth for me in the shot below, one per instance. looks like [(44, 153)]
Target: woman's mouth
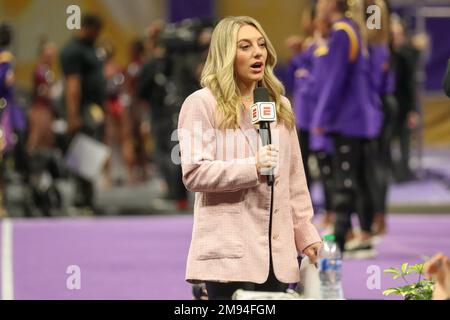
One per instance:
[(257, 67)]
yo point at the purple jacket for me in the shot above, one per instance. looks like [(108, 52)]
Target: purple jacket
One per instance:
[(299, 72), (388, 82), (312, 92), (11, 116), (381, 55), (345, 104)]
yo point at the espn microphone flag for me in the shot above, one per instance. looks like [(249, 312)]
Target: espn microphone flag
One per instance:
[(263, 111)]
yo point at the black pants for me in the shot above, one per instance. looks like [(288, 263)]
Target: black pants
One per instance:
[(325, 164), (403, 134), (303, 137), (390, 110), (224, 291), (356, 184), (172, 174)]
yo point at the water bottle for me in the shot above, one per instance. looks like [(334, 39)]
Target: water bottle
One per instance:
[(330, 270)]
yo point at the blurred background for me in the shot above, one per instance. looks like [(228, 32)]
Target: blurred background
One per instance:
[(150, 53)]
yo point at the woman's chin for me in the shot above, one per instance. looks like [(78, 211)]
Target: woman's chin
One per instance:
[(256, 77)]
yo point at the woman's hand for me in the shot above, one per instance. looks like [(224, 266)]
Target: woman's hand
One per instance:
[(311, 251), (438, 269), (413, 120), (267, 159)]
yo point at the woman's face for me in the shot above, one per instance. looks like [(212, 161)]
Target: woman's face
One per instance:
[(251, 55)]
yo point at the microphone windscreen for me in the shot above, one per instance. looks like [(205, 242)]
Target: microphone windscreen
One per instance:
[(261, 95)]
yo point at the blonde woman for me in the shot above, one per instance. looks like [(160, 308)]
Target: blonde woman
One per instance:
[(246, 235)]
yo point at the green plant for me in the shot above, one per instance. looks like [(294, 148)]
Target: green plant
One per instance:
[(421, 290)]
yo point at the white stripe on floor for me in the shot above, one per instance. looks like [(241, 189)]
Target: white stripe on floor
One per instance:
[(6, 252)]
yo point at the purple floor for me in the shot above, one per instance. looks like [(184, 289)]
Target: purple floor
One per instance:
[(144, 258)]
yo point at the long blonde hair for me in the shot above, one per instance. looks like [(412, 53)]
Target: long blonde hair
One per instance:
[(218, 74)]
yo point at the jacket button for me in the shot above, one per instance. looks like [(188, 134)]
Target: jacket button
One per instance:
[(275, 237), (276, 211)]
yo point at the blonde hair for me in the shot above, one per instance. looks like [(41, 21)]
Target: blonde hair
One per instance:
[(219, 77)]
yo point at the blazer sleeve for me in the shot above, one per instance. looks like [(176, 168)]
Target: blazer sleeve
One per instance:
[(300, 200), (202, 172)]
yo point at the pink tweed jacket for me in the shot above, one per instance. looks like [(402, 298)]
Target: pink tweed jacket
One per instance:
[(230, 238)]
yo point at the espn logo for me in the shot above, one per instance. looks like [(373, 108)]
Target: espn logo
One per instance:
[(263, 111)]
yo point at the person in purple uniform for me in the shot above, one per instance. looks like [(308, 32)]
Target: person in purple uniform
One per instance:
[(321, 145), (299, 73), (346, 111), (12, 119), (6, 80), (306, 72)]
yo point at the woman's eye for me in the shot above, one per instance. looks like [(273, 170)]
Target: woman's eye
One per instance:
[(245, 47), (262, 44)]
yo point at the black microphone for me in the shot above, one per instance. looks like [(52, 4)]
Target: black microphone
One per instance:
[(264, 112)]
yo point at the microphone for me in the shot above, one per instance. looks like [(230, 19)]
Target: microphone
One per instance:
[(264, 112)]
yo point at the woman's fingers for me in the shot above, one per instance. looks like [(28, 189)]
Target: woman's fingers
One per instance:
[(268, 157)]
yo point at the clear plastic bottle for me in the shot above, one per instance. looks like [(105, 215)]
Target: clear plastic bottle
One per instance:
[(330, 270)]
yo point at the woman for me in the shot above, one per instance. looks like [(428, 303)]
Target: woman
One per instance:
[(246, 235), (42, 113), (117, 125)]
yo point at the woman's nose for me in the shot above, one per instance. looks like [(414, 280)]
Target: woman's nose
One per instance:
[(258, 51)]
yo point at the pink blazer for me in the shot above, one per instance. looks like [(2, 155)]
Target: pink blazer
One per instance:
[(230, 238)]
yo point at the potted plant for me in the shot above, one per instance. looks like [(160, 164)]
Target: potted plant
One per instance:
[(420, 290)]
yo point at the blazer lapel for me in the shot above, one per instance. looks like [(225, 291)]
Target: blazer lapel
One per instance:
[(247, 130)]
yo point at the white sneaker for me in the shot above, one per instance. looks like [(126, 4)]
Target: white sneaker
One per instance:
[(359, 249)]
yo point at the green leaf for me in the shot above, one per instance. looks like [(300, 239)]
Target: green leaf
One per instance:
[(407, 289), (392, 270), (390, 291), (418, 268), (405, 268)]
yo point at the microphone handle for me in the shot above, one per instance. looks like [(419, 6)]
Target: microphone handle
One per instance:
[(270, 180), (266, 138)]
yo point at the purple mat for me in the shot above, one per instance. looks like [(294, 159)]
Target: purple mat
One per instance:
[(420, 192), (410, 238), (133, 258), (144, 258)]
